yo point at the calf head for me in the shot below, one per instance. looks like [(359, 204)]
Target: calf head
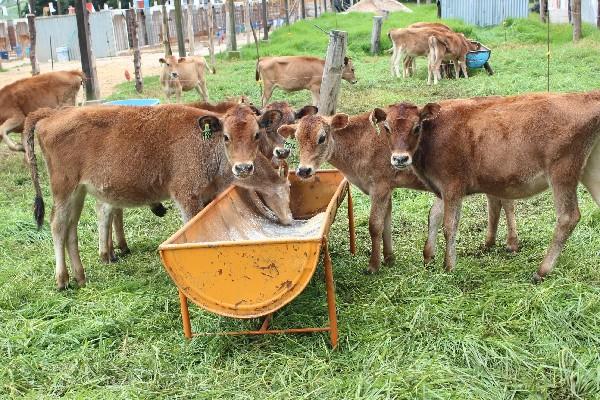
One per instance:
[(242, 130), (314, 136), (289, 116), (348, 71), (170, 66), (403, 126)]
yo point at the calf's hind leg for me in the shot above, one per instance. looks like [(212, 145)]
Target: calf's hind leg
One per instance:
[(8, 126), (77, 200), (119, 229), (591, 174), (567, 212), (59, 227), (104, 213)]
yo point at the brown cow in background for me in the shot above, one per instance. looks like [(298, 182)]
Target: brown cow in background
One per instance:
[(184, 74), (18, 99)]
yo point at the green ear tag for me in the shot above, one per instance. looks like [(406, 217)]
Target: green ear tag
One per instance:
[(206, 133)]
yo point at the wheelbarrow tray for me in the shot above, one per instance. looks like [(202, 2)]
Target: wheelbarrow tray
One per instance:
[(235, 261), (478, 58)]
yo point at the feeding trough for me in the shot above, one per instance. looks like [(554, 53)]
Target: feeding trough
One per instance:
[(133, 102), (234, 260), (480, 58)]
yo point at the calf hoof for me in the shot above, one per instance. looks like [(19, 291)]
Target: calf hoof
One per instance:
[(389, 260), (489, 244), (448, 267), (427, 261), (512, 248), (371, 270), (81, 283), (159, 210), (537, 279), (108, 258), (123, 251), (62, 282)]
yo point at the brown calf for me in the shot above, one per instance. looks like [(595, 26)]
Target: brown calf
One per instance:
[(353, 145), (183, 74), (448, 47), (134, 156), (509, 147), (17, 100), (409, 62), (293, 73)]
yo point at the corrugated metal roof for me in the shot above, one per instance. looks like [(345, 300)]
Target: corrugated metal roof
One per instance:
[(484, 12)]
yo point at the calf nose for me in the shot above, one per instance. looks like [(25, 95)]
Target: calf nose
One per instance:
[(174, 75), (243, 169), (400, 160), (304, 172), (281, 153)]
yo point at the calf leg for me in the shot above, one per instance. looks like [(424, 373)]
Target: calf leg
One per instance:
[(118, 227), (392, 59), (567, 212), (189, 206), (452, 207), (59, 227), (379, 207), (77, 201), (591, 174), (8, 126), (388, 247), (105, 248), (202, 91), (494, 209), (512, 239), (436, 214), (267, 92)]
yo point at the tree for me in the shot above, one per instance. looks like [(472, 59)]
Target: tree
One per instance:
[(576, 10)]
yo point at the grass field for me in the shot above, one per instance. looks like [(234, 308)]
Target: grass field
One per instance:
[(481, 332)]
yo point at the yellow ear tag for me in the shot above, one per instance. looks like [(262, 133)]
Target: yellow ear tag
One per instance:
[(206, 133)]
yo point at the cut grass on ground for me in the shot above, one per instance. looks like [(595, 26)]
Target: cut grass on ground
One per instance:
[(481, 332)]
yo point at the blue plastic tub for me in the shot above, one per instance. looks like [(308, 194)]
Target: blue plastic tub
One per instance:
[(476, 59), (133, 102), (4, 54)]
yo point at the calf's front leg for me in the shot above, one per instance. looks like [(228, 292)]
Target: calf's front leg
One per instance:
[(452, 208), (436, 214), (379, 208)]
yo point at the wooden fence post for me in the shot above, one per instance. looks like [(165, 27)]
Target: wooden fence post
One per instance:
[(88, 62), (247, 28), (165, 28), (332, 72), (35, 68), (376, 34), (190, 27), (302, 9), (576, 20), (179, 29), (286, 5), (132, 26), (543, 11)]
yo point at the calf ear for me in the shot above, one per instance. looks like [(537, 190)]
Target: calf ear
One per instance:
[(306, 110), (377, 116), (254, 109), (287, 131), (339, 121), (182, 59), (162, 61), (346, 60), (429, 112), (210, 125), (270, 119)]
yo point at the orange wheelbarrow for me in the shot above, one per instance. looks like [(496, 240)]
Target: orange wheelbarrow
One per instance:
[(233, 260)]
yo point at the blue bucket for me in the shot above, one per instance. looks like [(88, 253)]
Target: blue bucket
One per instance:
[(4, 54), (476, 59), (133, 102)]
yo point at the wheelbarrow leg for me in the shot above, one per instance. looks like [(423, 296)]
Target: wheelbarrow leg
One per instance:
[(351, 229), (488, 68), (333, 327), (185, 315), (266, 322)]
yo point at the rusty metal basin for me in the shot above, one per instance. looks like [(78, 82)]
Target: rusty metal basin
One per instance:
[(232, 259)]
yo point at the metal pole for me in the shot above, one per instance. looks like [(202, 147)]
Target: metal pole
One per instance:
[(51, 55)]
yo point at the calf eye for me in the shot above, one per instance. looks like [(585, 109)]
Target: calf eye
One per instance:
[(226, 138), (256, 135), (416, 129), (386, 126), (321, 139)]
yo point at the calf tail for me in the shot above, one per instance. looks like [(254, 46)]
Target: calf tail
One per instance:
[(29, 144), (257, 74)]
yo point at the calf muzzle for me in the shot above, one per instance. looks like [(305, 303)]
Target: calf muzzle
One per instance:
[(401, 161), (281, 153), (243, 170), (304, 172)]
